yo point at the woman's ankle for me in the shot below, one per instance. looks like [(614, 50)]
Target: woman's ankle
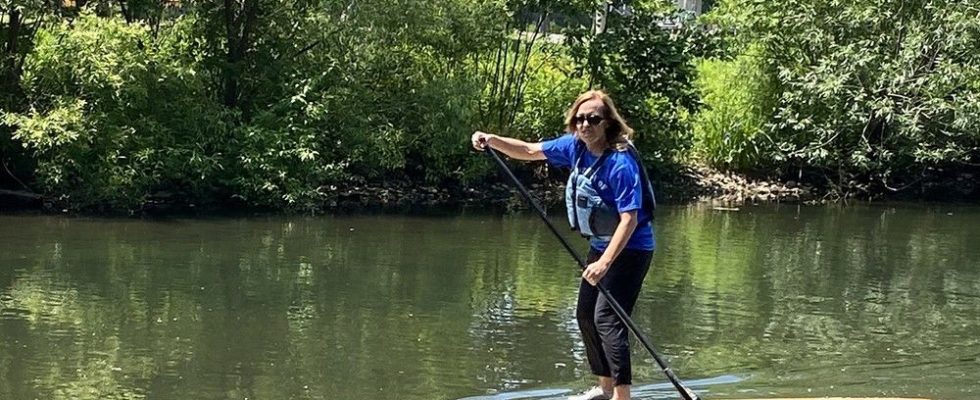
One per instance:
[(606, 383), (621, 392)]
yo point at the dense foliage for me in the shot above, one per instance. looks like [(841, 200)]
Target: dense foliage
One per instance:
[(285, 103), (647, 67), (869, 96)]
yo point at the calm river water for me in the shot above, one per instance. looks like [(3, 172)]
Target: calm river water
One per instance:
[(762, 302)]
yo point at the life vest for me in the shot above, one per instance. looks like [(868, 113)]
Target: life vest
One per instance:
[(587, 212)]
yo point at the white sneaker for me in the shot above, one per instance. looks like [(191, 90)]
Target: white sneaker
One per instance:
[(596, 393)]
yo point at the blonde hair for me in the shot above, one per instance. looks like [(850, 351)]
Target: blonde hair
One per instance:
[(618, 133)]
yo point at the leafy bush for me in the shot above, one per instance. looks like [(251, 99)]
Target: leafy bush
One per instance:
[(871, 94), (647, 68), (738, 97), (115, 115)]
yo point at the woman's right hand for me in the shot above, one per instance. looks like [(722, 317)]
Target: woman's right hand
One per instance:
[(480, 140)]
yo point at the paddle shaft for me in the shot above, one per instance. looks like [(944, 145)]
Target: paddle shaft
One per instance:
[(686, 393)]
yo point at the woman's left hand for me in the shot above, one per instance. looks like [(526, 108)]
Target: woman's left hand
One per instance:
[(595, 271)]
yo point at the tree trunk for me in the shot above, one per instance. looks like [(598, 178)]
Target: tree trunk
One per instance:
[(13, 199), (239, 23), (9, 62)]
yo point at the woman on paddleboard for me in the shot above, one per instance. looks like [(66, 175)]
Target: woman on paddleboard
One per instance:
[(610, 201)]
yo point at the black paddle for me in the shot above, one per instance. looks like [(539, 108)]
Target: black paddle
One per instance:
[(686, 393)]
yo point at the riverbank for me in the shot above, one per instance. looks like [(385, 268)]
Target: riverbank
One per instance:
[(689, 184)]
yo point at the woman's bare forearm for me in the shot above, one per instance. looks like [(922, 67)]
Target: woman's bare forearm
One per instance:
[(516, 148)]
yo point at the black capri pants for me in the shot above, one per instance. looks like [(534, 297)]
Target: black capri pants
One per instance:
[(606, 337)]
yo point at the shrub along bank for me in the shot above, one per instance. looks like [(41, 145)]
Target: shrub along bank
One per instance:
[(310, 105)]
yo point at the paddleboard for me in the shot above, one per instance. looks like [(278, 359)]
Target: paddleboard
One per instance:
[(658, 391)]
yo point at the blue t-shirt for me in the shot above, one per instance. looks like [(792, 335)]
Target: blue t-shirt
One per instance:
[(617, 181)]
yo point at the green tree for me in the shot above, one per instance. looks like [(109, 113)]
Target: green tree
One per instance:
[(644, 59), (114, 116), (870, 95)]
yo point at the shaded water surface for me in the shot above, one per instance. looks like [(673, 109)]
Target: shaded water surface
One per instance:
[(766, 301)]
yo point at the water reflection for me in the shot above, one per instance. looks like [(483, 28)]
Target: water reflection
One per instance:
[(790, 300)]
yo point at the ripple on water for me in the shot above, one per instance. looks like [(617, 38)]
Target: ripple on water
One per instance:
[(10, 311)]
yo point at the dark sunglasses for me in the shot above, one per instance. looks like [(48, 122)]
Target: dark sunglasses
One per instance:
[(593, 119)]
